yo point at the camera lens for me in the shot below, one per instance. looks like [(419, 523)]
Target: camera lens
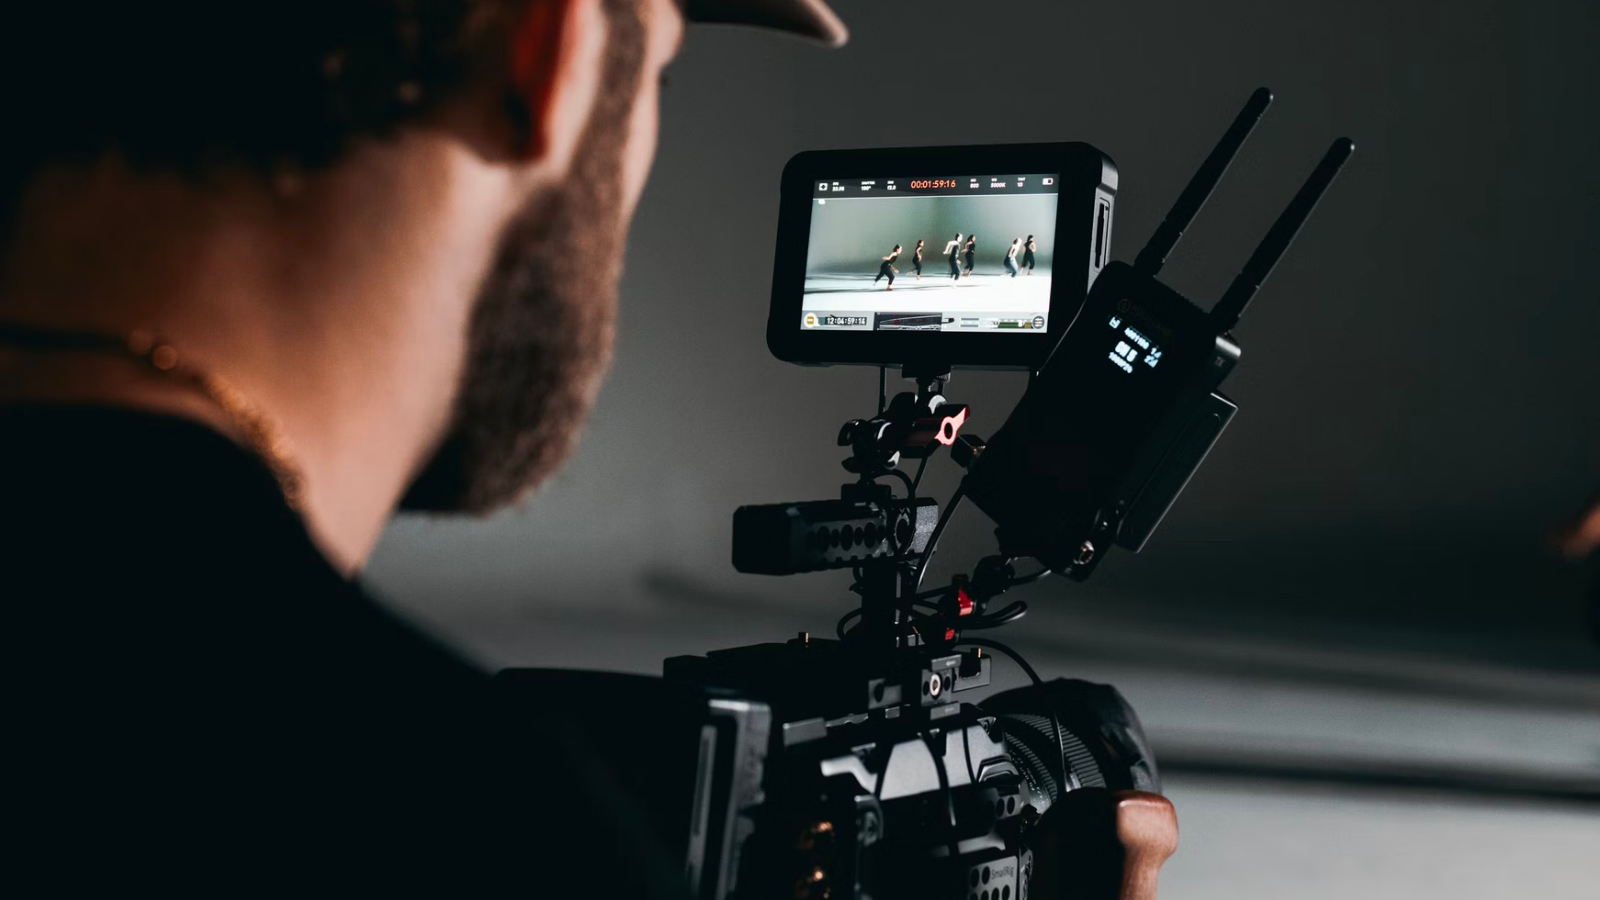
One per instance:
[(1089, 727)]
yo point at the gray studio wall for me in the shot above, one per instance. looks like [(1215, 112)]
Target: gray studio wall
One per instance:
[(853, 235), (1418, 386)]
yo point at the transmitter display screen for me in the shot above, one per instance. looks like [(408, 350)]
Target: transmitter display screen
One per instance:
[(1131, 348), (971, 253)]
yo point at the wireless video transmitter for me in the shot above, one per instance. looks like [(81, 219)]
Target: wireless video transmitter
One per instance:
[(1127, 407)]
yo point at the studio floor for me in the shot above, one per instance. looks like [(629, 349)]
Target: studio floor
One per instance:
[(980, 291)]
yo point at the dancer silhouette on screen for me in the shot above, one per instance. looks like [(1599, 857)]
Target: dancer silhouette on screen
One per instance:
[(972, 249), (916, 260), (1011, 256), (1027, 254), (887, 269), (953, 250)]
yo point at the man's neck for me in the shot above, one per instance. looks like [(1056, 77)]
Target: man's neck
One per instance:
[(336, 306)]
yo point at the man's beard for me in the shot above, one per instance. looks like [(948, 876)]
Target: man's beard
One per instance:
[(541, 331)]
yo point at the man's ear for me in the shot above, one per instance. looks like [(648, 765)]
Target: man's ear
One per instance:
[(557, 50)]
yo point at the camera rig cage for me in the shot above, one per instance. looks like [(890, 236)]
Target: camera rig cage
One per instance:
[(852, 767)]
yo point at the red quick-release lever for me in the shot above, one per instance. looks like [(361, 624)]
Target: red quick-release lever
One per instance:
[(950, 427), (964, 606)]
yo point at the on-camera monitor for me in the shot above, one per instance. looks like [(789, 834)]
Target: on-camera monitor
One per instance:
[(966, 256)]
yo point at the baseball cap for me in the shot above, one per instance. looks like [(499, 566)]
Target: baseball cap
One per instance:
[(807, 18)]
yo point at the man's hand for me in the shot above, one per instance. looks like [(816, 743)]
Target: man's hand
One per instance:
[(1102, 845), (1580, 537), (1578, 540)]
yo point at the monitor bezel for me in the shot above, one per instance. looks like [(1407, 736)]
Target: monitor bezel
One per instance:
[(1086, 175)]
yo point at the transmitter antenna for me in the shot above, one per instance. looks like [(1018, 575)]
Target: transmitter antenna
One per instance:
[(1154, 255), (1231, 307)]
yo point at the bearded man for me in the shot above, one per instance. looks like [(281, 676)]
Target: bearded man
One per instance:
[(268, 273)]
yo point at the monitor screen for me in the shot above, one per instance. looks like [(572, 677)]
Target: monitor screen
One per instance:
[(965, 254)]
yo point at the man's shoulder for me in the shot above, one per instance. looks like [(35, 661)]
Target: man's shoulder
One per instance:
[(194, 674), (150, 531)]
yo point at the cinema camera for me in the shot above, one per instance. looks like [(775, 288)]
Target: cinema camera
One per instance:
[(852, 768)]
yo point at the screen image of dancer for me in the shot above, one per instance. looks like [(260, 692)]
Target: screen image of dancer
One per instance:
[(970, 253)]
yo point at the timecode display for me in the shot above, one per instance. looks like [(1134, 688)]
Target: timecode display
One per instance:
[(813, 320), (920, 183)]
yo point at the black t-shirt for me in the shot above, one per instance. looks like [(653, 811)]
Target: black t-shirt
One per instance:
[(196, 702)]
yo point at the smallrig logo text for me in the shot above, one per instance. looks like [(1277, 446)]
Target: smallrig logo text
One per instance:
[(1127, 308)]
